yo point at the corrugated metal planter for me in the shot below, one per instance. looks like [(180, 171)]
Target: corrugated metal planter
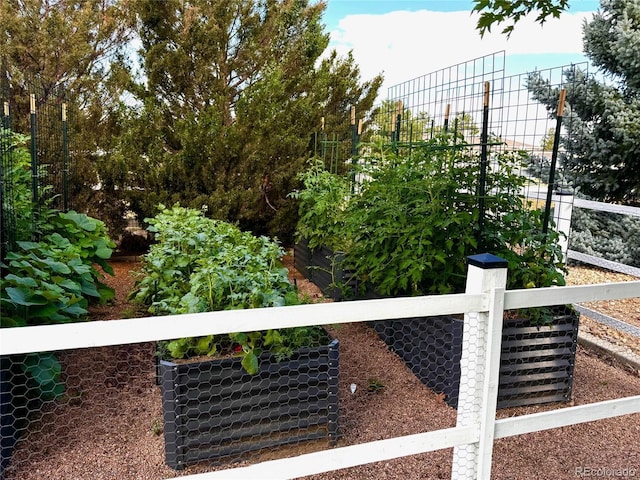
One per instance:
[(536, 363), (214, 410), (302, 257), (325, 269)]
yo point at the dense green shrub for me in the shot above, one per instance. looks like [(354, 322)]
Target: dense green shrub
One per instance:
[(200, 265), (611, 236), (17, 206)]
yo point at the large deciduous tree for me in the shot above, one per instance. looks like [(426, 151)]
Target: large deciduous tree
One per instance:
[(232, 91), (495, 12), (603, 144)]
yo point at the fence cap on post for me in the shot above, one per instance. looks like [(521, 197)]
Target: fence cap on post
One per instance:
[(487, 261)]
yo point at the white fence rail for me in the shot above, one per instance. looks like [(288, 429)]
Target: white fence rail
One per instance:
[(476, 427), (562, 217)]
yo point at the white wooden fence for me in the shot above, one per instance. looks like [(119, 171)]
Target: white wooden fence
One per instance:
[(562, 215), (476, 428)]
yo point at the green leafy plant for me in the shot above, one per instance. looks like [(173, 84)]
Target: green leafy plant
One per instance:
[(322, 203), (43, 371), (415, 219), (413, 222), (51, 280), (17, 194), (200, 265), (54, 280), (374, 385)]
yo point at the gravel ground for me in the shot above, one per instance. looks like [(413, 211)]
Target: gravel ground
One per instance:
[(627, 309), (109, 424)]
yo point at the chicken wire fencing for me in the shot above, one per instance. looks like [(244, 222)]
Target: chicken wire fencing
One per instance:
[(120, 408), (117, 411), (130, 411)]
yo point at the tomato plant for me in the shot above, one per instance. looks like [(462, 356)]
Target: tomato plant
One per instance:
[(415, 219)]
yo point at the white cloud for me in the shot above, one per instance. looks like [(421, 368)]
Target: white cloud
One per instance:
[(405, 44)]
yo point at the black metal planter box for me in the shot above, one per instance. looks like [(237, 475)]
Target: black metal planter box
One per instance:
[(536, 363), (9, 430), (325, 268), (17, 402), (214, 410)]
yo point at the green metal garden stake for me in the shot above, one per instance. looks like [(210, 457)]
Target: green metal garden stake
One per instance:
[(65, 160), (554, 160)]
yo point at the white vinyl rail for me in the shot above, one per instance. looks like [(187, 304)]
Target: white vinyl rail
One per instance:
[(476, 427)]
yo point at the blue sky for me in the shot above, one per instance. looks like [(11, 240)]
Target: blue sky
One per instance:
[(407, 38)]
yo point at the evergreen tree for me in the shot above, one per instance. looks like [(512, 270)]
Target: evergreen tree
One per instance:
[(233, 90), (73, 48), (603, 119)]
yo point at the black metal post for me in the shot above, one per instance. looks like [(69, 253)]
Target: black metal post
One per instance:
[(484, 154), (4, 236), (323, 143), (554, 160), (446, 117), (410, 139), (398, 120), (455, 132)]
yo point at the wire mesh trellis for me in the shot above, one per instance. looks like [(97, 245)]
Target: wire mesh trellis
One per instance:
[(486, 119), (38, 113), (102, 383), (491, 114), (444, 98)]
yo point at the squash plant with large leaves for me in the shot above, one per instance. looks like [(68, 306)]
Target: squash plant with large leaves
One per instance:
[(54, 280)]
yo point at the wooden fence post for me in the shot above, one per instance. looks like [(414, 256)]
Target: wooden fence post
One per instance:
[(480, 367)]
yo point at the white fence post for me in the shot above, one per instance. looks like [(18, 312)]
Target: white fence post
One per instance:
[(562, 217), (480, 367)]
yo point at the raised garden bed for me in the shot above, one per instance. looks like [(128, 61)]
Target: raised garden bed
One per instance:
[(9, 420), (18, 404), (215, 410), (536, 363), (325, 268)]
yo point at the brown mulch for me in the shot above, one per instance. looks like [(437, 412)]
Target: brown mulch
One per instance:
[(109, 425)]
